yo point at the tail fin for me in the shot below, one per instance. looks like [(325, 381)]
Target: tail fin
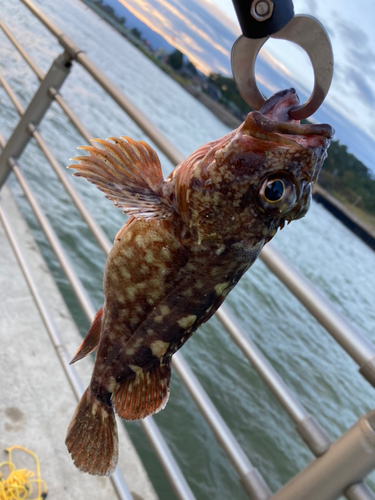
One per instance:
[(91, 341), (92, 437), (143, 395)]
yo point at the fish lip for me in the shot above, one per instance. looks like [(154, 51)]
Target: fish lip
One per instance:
[(305, 129), (260, 126), (274, 119)]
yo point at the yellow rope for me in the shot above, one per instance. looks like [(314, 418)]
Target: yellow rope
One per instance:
[(19, 485)]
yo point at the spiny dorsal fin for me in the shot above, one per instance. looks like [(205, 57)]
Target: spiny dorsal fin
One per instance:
[(129, 174), (91, 341), (144, 394)]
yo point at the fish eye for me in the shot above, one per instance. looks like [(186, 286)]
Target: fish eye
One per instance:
[(277, 194), (274, 191)]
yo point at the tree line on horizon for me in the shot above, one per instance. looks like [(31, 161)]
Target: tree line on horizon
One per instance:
[(347, 176)]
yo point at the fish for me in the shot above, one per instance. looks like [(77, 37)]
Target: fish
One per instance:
[(188, 240)]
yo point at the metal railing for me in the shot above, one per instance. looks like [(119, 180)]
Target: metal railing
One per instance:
[(334, 457)]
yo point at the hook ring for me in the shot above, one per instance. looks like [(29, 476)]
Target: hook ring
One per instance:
[(310, 35)]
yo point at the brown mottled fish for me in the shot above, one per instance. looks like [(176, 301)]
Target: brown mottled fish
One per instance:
[(188, 241)]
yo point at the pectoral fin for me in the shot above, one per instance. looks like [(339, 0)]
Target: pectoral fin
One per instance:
[(129, 174)]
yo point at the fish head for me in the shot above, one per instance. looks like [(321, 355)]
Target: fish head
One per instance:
[(251, 181)]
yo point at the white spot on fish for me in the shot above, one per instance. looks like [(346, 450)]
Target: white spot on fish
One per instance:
[(162, 268), (140, 241), (112, 384), (220, 288), (159, 348), (187, 321), (149, 257), (164, 310), (155, 282), (166, 253), (125, 273), (138, 370), (220, 250), (94, 409), (131, 292), (114, 277), (144, 269)]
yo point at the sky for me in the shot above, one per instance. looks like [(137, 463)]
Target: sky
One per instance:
[(205, 31)]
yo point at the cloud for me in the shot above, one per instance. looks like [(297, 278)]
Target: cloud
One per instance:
[(359, 52), (364, 92), (313, 7)]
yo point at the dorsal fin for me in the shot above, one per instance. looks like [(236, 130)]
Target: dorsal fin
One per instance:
[(129, 174)]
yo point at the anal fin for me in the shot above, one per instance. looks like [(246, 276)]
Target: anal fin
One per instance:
[(91, 341), (144, 394)]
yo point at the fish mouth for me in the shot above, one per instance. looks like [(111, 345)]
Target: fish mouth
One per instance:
[(273, 123)]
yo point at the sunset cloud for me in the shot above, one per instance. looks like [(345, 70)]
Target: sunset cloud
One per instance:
[(190, 30)]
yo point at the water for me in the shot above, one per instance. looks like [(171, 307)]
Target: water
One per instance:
[(339, 264)]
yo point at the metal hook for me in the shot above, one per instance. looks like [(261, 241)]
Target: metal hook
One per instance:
[(308, 33)]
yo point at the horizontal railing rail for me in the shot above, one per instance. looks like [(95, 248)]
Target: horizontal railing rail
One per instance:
[(362, 351)]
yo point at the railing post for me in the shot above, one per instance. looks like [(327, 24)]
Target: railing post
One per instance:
[(34, 113), (337, 472)]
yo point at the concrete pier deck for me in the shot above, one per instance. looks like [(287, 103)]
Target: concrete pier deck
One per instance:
[(36, 400)]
